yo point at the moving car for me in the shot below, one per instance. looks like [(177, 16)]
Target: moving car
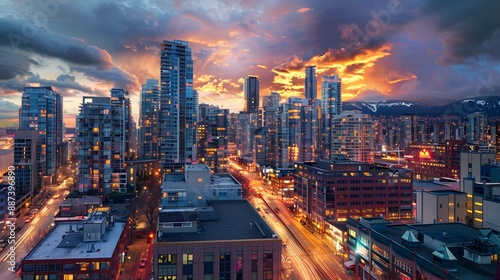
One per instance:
[(29, 218), (143, 260)]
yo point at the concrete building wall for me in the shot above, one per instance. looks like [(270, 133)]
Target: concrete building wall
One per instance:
[(236, 250), (491, 219), (470, 165), (441, 207), (6, 160)]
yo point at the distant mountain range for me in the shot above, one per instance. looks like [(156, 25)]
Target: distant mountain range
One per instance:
[(462, 108)]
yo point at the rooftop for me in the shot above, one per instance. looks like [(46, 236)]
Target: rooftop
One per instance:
[(174, 177), (446, 192), (197, 167), (223, 179), (435, 185), (220, 220), (65, 241), (94, 200), (452, 235)]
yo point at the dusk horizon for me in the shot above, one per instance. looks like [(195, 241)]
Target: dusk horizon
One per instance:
[(432, 53)]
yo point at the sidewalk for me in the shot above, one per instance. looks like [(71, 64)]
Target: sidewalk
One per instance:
[(330, 246), (131, 264)]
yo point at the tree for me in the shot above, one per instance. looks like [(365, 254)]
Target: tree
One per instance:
[(151, 211)]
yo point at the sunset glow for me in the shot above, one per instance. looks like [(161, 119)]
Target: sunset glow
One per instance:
[(397, 50)]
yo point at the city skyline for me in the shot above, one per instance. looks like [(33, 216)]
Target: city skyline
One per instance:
[(386, 50)]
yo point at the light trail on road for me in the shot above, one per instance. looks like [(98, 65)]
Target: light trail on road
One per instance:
[(310, 256)]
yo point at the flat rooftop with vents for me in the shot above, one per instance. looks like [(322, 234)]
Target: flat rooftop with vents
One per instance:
[(79, 240), (463, 250), (219, 220)]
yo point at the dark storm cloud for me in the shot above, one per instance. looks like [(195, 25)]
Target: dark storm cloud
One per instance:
[(115, 75), (389, 47), (9, 110), (24, 36), (12, 65), (354, 68), (469, 28), (66, 78), (114, 24), (65, 85), (321, 28)]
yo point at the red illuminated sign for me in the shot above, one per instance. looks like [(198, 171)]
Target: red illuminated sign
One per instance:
[(424, 154)]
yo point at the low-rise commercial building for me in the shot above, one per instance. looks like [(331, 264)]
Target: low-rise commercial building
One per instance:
[(333, 190), (196, 185), (225, 239), (421, 251), (441, 206), (436, 160), (88, 249)]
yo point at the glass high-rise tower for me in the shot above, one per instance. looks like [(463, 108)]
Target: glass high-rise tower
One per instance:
[(148, 121), (122, 98), (41, 110), (101, 137), (331, 105), (310, 84), (251, 91), (178, 106)]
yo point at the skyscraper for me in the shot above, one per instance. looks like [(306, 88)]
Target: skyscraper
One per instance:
[(353, 136), (100, 130), (243, 133), (251, 91), (178, 105), (289, 132), (271, 105), (121, 98), (148, 120), (477, 128), (271, 101), (410, 129), (41, 110), (297, 132), (28, 178), (213, 124), (310, 84), (331, 105)]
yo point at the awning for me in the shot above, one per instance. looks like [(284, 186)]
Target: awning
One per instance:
[(350, 264)]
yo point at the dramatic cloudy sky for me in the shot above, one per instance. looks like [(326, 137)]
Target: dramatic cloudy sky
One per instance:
[(428, 51)]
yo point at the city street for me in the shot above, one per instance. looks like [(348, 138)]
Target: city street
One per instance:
[(305, 254), (41, 223)]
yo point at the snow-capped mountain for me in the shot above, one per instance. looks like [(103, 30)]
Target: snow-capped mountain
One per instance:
[(490, 105)]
